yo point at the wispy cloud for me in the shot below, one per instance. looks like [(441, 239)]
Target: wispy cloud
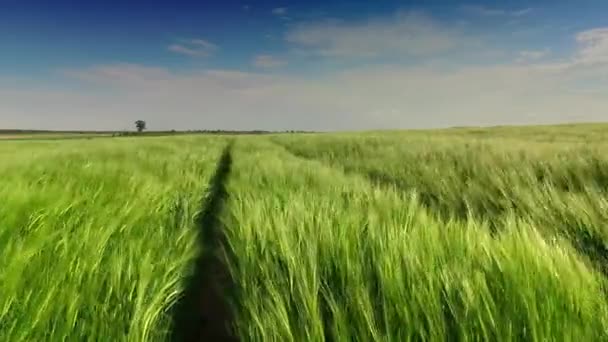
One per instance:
[(521, 12), (406, 34), (590, 58), (353, 98), (194, 48), (532, 55), (280, 11), (528, 88), (246, 7), (487, 11), (268, 61), (594, 46), (119, 74)]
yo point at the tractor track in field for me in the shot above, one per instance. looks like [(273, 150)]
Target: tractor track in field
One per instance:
[(204, 313)]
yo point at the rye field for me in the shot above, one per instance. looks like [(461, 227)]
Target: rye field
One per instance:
[(496, 234)]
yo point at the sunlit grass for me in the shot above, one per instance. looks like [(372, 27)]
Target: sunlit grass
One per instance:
[(471, 234), (562, 188), (320, 254), (96, 236)]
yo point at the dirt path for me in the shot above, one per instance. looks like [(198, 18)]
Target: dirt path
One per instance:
[(203, 313)]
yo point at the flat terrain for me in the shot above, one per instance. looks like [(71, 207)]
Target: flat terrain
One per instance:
[(45, 135), (469, 233)]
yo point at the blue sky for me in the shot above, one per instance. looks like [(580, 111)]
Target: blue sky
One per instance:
[(301, 64)]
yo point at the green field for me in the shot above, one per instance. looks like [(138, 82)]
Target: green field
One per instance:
[(463, 234)]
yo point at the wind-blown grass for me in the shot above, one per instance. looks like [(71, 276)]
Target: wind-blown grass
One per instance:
[(318, 254), (463, 234), (96, 236), (562, 187)]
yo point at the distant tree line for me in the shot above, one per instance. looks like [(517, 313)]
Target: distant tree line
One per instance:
[(203, 131), (140, 126)]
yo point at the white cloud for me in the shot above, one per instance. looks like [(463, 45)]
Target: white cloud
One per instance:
[(268, 61), (532, 55), (590, 59), (280, 11), (119, 74), (490, 12), (361, 97), (406, 34), (521, 12), (595, 46), (194, 48)]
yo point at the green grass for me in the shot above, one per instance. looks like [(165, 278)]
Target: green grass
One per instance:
[(96, 236), (321, 254), (474, 234), (560, 187)]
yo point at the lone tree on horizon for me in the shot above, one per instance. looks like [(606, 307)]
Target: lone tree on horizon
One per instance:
[(140, 125)]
